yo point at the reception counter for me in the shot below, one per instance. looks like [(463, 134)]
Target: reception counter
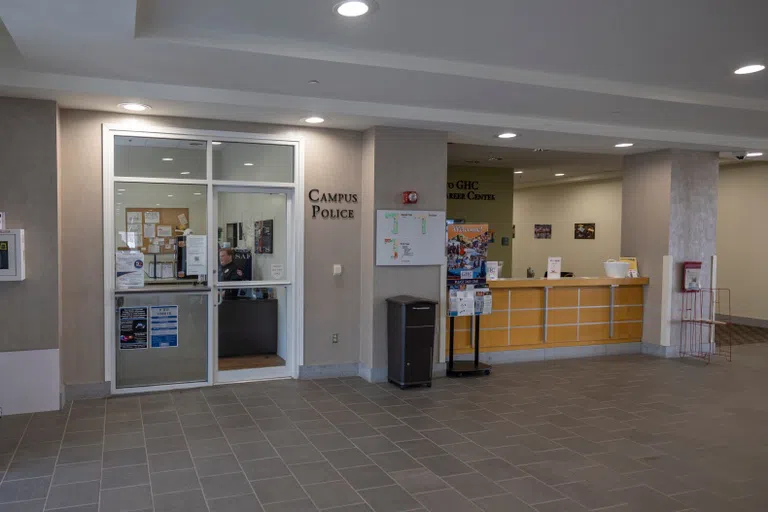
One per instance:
[(541, 313)]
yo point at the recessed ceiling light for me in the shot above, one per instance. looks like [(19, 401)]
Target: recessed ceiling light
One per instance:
[(170, 195), (560, 174), (216, 143), (184, 173), (624, 145), (167, 159), (752, 68), (313, 82), (248, 164), (495, 159), (121, 190), (354, 8), (518, 172), (134, 107), (157, 204), (118, 204), (314, 120), (753, 154), (507, 135), (198, 193)]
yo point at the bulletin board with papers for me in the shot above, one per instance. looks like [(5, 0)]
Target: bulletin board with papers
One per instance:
[(155, 229), (405, 237)]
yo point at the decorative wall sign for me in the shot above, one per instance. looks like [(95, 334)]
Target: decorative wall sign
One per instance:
[(542, 231), (263, 230), (467, 189), (321, 199), (584, 231)]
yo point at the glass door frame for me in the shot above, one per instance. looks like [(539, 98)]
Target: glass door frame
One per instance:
[(295, 239), (253, 374)]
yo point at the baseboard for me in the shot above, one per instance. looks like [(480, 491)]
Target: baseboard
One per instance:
[(373, 374), (87, 390), (328, 371), (30, 381), (743, 320), (654, 349), (547, 354)]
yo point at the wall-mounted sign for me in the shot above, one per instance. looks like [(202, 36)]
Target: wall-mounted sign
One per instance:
[(321, 201), (467, 189)]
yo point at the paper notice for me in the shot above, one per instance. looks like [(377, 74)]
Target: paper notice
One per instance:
[(151, 217), (134, 218), (164, 231), (493, 270), (134, 228), (278, 270), (149, 231), (130, 270), (182, 219), (553, 267), (154, 249), (196, 255)]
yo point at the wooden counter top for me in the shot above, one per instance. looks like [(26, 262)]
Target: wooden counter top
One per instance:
[(568, 282)]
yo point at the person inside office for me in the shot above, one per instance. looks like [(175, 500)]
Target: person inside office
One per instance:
[(228, 269)]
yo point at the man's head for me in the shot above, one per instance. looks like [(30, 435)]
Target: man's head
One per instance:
[(225, 256)]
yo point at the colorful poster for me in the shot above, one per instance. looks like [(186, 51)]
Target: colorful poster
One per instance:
[(262, 230), (483, 300), (164, 326), (542, 231), (467, 251), (129, 267), (133, 328), (582, 231)]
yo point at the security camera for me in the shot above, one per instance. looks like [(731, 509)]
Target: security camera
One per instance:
[(741, 155)]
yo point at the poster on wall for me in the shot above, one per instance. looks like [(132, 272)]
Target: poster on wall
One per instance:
[(262, 231), (197, 245), (133, 328), (151, 217), (129, 270), (542, 231), (164, 326), (469, 300), (467, 251), (584, 231)]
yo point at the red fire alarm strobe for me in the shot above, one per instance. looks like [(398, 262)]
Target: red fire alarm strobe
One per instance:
[(410, 197)]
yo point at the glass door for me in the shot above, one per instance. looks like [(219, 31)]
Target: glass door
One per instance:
[(253, 283)]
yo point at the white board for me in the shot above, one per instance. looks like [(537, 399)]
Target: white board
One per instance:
[(405, 237)]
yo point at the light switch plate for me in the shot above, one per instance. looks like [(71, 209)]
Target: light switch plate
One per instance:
[(337, 270)]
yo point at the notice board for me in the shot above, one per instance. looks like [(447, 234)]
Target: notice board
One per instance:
[(405, 237), (163, 224)]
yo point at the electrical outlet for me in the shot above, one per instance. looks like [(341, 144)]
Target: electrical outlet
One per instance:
[(335, 337)]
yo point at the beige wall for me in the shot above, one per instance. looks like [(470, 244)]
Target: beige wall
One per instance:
[(741, 243), (563, 206), (497, 212), (332, 162), (29, 311)]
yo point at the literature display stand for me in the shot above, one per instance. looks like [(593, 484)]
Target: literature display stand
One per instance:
[(703, 310)]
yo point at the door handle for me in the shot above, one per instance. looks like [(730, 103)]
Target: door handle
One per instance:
[(220, 297)]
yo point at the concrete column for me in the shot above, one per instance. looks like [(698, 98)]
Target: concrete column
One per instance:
[(395, 160), (669, 208)]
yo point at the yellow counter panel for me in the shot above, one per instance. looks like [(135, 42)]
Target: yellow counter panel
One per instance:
[(541, 313)]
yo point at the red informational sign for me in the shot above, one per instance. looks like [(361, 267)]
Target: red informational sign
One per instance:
[(691, 276)]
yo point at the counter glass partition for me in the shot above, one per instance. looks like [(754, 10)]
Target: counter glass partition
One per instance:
[(161, 338)]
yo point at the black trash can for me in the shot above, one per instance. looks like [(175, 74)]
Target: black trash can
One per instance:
[(411, 340)]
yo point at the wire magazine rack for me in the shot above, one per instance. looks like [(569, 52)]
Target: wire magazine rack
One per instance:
[(704, 319)]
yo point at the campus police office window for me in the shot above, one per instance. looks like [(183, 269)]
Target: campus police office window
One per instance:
[(325, 205), (468, 189)]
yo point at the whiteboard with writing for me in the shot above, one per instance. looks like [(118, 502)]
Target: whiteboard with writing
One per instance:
[(405, 237)]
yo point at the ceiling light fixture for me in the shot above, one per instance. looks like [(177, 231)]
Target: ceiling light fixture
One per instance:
[(167, 159), (248, 164), (753, 154), (121, 190), (507, 135), (216, 143), (170, 195), (198, 193), (560, 174), (354, 8), (495, 159), (751, 68), (313, 82), (624, 145), (134, 107), (184, 173), (314, 120), (518, 172)]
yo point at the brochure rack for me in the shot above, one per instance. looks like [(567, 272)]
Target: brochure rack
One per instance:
[(702, 312)]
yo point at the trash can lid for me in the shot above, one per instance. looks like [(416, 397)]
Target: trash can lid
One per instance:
[(408, 300)]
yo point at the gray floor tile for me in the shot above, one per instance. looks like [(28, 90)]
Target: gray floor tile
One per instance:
[(474, 485), (124, 427), (222, 486), (645, 498), (446, 500), (566, 505), (240, 421), (445, 465), (76, 473), (502, 503), (82, 438), (327, 442), (381, 419), (273, 490), (397, 434), (418, 480), (159, 417), (590, 496), (389, 499), (366, 477), (34, 468), (304, 505), (497, 469), (217, 465), (80, 454), (332, 494), (23, 506), (169, 429), (197, 420), (423, 422), (125, 476), (272, 424), (531, 490), (23, 490), (316, 427), (93, 507), (299, 454), (126, 499), (375, 444), (123, 441), (129, 457), (224, 410), (253, 451), (287, 438), (204, 432), (468, 452), (244, 503), (185, 501), (209, 447), (315, 473), (170, 461), (395, 461), (244, 435), (347, 458), (265, 468), (166, 444), (355, 430), (444, 436), (174, 481), (73, 495)]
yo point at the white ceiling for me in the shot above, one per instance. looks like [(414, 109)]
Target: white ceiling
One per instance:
[(576, 76)]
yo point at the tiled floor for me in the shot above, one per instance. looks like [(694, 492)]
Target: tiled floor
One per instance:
[(613, 434)]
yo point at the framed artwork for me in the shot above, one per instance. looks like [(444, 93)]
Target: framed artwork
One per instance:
[(584, 231), (263, 231), (542, 231)]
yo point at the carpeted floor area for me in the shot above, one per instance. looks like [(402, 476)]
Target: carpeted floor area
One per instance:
[(742, 334)]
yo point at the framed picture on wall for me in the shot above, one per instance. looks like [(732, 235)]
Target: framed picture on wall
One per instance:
[(542, 231), (584, 231), (263, 231)]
